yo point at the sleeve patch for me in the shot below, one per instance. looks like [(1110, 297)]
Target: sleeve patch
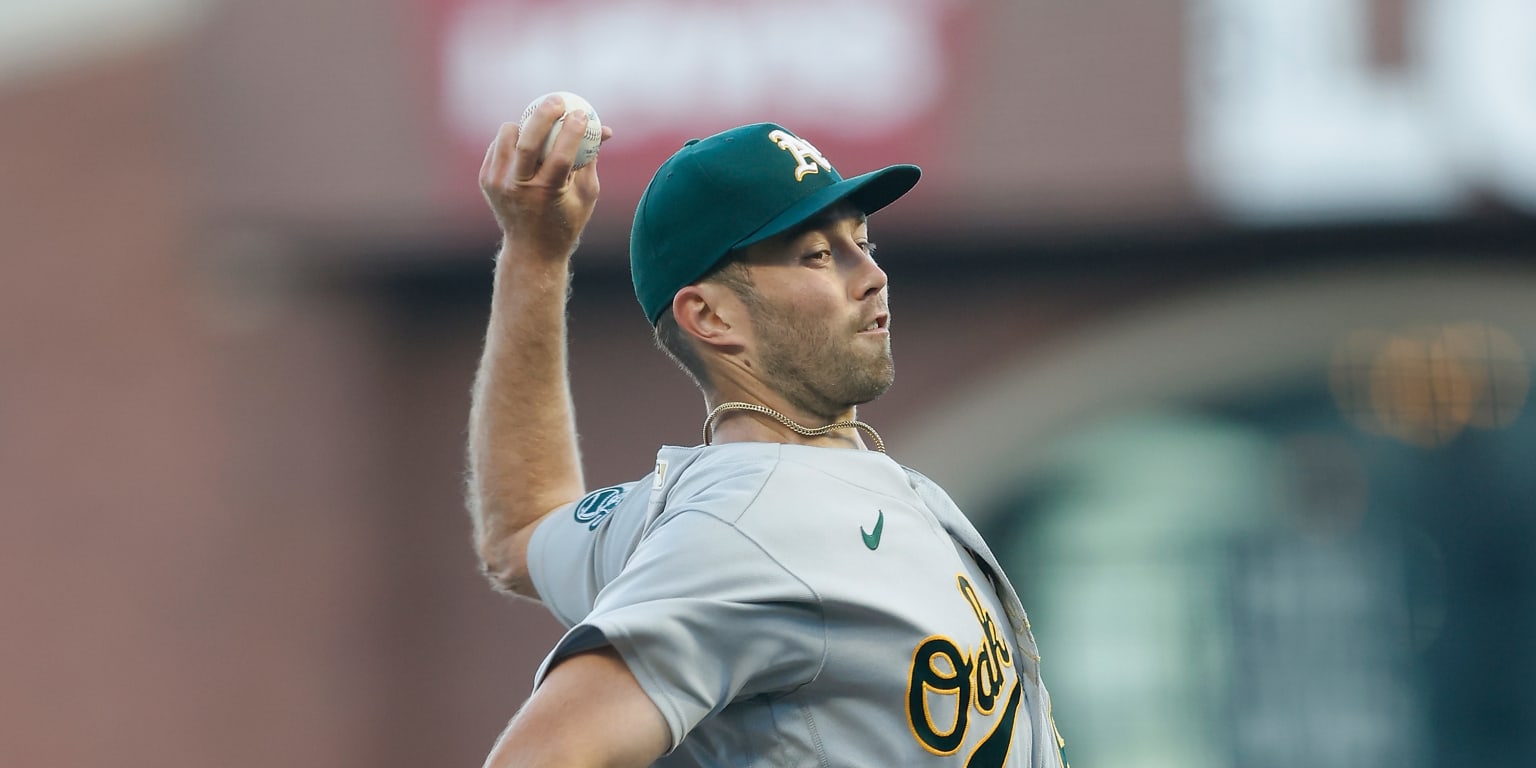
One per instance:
[(594, 508)]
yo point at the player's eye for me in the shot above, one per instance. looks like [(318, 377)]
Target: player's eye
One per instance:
[(868, 247), (818, 256)]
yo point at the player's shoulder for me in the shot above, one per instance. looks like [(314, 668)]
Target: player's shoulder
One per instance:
[(733, 481), (721, 481), (920, 481), (604, 522), (593, 509), (933, 496)]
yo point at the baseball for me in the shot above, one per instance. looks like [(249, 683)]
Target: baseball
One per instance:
[(590, 141)]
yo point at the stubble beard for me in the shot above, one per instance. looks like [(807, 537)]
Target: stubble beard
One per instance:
[(818, 368)]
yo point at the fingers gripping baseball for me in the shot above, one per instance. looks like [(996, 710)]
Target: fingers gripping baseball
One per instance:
[(543, 204)]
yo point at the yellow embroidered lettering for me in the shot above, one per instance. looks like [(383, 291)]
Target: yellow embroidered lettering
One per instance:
[(945, 676)]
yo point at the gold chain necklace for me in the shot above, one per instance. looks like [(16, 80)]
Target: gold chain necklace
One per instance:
[(709, 423)]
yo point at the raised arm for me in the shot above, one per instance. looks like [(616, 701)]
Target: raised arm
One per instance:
[(523, 460)]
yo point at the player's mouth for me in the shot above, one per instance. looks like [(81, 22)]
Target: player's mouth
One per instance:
[(879, 325)]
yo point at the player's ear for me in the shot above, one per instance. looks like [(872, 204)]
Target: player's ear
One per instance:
[(712, 314)]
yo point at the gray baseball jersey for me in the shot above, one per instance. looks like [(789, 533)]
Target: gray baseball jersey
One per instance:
[(787, 605)]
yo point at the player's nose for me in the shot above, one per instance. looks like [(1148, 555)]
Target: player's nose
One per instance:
[(868, 278)]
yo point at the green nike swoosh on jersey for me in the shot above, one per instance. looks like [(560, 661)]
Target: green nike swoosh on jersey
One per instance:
[(872, 540)]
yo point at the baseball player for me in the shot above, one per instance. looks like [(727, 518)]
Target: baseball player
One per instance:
[(784, 594)]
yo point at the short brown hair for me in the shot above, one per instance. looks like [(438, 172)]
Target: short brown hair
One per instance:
[(673, 340)]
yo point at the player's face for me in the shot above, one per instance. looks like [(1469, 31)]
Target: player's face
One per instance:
[(820, 320)]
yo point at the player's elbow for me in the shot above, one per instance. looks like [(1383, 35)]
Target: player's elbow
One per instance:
[(504, 562), (506, 574)]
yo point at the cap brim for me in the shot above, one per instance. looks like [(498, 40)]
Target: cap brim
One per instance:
[(868, 192)]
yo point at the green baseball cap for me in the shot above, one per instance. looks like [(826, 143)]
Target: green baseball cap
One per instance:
[(734, 189)]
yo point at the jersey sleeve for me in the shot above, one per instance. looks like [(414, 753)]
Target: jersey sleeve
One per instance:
[(580, 547), (702, 616)]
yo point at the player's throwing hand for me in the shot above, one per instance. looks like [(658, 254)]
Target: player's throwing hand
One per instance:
[(541, 206)]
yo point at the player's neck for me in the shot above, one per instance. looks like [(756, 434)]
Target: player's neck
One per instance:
[(750, 425)]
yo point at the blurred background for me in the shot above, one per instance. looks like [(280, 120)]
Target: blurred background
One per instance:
[(1217, 316)]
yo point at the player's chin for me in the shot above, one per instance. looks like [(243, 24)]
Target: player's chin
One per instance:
[(870, 394), (871, 382)]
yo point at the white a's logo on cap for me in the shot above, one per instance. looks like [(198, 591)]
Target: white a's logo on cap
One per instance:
[(807, 157)]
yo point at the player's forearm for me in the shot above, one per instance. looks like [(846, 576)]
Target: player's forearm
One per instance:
[(523, 460), (589, 712)]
